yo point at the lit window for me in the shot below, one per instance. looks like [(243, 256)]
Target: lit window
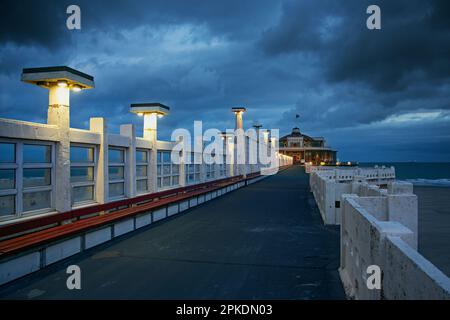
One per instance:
[(36, 200), (33, 153), (83, 194), (192, 171), (7, 205), (82, 173), (167, 172), (7, 153), (116, 189), (116, 172), (142, 171), (26, 176), (210, 167), (116, 155), (37, 177), (8, 169), (7, 179), (223, 166)]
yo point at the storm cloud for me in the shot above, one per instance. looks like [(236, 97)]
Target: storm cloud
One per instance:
[(379, 95)]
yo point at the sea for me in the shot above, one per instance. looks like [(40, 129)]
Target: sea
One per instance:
[(433, 174)]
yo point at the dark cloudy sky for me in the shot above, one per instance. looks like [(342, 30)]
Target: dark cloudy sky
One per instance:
[(375, 95)]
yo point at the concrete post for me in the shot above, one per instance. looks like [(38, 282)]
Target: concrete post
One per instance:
[(150, 126), (403, 207), (99, 125), (129, 131), (202, 166), (225, 155), (153, 174), (182, 163), (59, 115), (203, 171), (257, 127), (229, 147), (150, 134), (240, 155), (247, 169), (151, 112), (182, 170), (239, 120), (233, 167), (59, 81)]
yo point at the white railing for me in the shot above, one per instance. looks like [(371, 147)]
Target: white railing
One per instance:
[(379, 227), (382, 231), (377, 175), (328, 184)]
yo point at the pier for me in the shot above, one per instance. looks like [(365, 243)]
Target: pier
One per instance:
[(140, 225), (264, 241)]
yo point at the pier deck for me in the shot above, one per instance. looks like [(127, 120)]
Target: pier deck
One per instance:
[(264, 241)]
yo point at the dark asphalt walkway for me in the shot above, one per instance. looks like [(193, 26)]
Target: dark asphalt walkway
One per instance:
[(265, 241)]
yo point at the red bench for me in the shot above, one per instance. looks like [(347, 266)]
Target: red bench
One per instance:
[(54, 227)]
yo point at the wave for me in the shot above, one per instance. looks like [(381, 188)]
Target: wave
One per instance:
[(430, 182)]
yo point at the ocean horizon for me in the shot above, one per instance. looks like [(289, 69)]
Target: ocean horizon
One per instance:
[(429, 174)]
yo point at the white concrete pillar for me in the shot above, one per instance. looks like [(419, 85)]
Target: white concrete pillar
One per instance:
[(240, 159), (182, 170), (403, 207), (153, 174), (150, 126), (239, 120), (240, 153), (59, 81), (151, 112), (203, 172), (202, 166), (229, 147), (128, 130), (59, 96), (99, 125), (182, 161), (257, 127), (59, 115), (150, 134)]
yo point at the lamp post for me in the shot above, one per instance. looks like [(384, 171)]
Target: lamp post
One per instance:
[(241, 141), (238, 111), (257, 127), (228, 141), (60, 81), (151, 112)]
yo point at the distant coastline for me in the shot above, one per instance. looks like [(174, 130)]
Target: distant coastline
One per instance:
[(442, 183)]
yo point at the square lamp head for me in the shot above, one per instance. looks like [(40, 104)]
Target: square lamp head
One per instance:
[(64, 77), (150, 108), (238, 110), (257, 125)]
